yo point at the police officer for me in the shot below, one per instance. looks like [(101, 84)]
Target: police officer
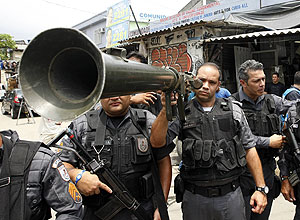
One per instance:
[(293, 93), (289, 161), (33, 180), (113, 134), (262, 112), (217, 143)]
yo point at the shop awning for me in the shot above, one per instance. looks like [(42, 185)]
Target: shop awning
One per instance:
[(255, 34), (280, 16)]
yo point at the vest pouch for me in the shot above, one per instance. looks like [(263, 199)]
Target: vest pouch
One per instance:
[(264, 129), (146, 186), (208, 153), (179, 188), (141, 150), (224, 122), (240, 152), (188, 158), (274, 124), (251, 118), (226, 160), (198, 150)]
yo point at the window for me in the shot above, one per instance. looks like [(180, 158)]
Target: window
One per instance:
[(98, 35)]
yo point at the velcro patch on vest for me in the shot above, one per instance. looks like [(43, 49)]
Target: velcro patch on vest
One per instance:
[(55, 163), (189, 125), (63, 173), (74, 193), (142, 144)]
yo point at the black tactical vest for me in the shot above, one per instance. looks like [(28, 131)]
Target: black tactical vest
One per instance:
[(264, 122), (16, 162), (125, 150), (211, 148)]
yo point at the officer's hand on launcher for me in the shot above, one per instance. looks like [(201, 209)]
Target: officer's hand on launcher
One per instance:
[(90, 184), (173, 98), (143, 98), (258, 202)]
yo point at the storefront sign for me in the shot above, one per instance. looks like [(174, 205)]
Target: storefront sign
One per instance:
[(146, 16), (117, 23), (116, 33), (214, 11)]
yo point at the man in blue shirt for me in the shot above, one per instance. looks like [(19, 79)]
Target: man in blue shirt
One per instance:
[(293, 93), (223, 93)]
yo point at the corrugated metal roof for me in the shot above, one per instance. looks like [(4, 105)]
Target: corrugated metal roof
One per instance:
[(215, 24), (255, 34)]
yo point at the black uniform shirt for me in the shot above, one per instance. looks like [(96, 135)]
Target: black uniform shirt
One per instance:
[(276, 89)]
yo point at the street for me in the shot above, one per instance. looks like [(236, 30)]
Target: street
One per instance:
[(281, 209)]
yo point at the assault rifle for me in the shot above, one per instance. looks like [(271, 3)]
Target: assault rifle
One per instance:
[(120, 198), (288, 132)]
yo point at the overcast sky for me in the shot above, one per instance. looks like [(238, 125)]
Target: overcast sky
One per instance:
[(24, 19)]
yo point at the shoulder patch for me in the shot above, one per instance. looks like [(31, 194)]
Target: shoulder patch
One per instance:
[(237, 103), (63, 173), (55, 163), (74, 193)]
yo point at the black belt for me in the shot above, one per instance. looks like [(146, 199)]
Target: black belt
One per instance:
[(212, 191)]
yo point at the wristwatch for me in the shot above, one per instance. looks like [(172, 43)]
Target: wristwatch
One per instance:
[(263, 189)]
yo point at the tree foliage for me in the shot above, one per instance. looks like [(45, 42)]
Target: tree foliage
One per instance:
[(6, 42)]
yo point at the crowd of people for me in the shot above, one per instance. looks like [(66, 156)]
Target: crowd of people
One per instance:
[(9, 65), (229, 146)]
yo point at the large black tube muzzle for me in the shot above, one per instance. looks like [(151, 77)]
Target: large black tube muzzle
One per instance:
[(63, 74)]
